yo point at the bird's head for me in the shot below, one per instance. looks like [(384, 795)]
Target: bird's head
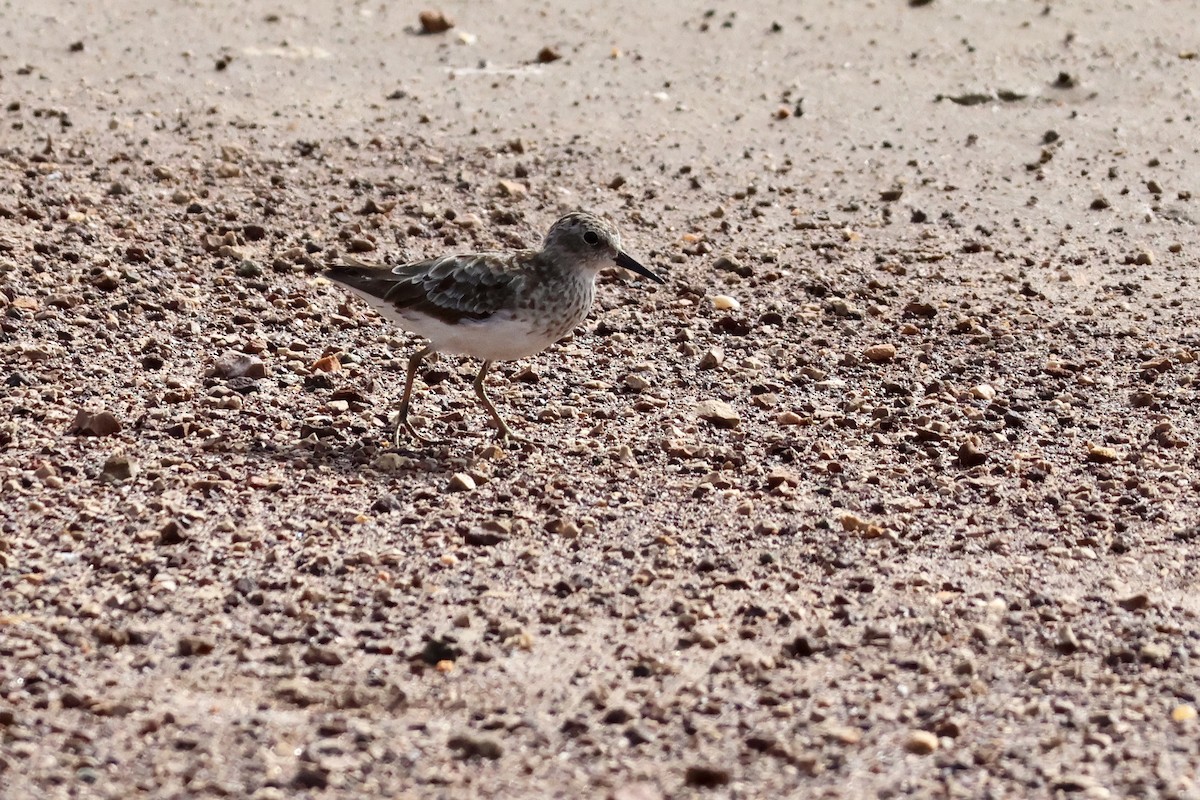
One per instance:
[(588, 240)]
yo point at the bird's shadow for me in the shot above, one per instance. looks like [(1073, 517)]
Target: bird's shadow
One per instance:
[(376, 453)]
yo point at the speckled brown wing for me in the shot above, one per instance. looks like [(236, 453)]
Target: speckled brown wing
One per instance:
[(450, 289)]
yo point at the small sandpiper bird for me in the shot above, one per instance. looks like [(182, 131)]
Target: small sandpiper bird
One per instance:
[(493, 306)]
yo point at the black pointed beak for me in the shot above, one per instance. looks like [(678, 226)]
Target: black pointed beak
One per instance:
[(623, 259)]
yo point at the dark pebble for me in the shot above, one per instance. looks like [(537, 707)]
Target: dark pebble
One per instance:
[(704, 777)]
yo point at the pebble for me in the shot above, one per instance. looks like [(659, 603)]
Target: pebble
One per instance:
[(789, 418), (723, 302), (35, 352), (1079, 782), (107, 281), (719, 413), (880, 353), (118, 467), (513, 189), (482, 539), (636, 735), (846, 734), (233, 364), (310, 777), (493, 452), (969, 455), (374, 207), (1136, 602), (921, 743), (917, 308), (1142, 399), (1183, 713), (194, 646), (642, 790), (765, 400), (712, 359), (1065, 640), (254, 233), (391, 462), (617, 716), (984, 391), (298, 691), (100, 423), (731, 264), (707, 777), (780, 476), (548, 54), (624, 454), (1102, 455), (461, 482), (636, 382), (564, 528), (475, 747), (1155, 653), (435, 22), (855, 524), (325, 656), (327, 364), (844, 308), (249, 269), (528, 374)]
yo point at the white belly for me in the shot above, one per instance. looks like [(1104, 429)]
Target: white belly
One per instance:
[(504, 336), (493, 339), (498, 338)]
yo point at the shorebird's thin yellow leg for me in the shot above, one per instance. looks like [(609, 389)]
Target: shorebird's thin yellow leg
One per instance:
[(505, 431), (402, 423)]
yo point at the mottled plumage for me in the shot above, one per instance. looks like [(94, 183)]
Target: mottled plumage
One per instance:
[(493, 306)]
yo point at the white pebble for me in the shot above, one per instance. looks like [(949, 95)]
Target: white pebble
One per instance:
[(637, 382), (984, 391)]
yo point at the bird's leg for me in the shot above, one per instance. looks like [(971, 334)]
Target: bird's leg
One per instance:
[(505, 431), (402, 422)]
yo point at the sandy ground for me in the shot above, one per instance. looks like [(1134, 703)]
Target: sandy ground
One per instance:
[(940, 542)]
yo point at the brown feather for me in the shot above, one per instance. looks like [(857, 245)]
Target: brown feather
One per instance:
[(449, 289)]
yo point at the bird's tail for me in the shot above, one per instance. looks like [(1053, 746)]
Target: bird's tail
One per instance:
[(366, 279)]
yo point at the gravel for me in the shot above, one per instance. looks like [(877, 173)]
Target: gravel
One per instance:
[(889, 491)]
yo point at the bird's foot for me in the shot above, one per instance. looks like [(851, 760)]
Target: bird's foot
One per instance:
[(510, 439), (407, 427)]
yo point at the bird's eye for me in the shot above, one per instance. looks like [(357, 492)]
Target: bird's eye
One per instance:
[(591, 238)]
